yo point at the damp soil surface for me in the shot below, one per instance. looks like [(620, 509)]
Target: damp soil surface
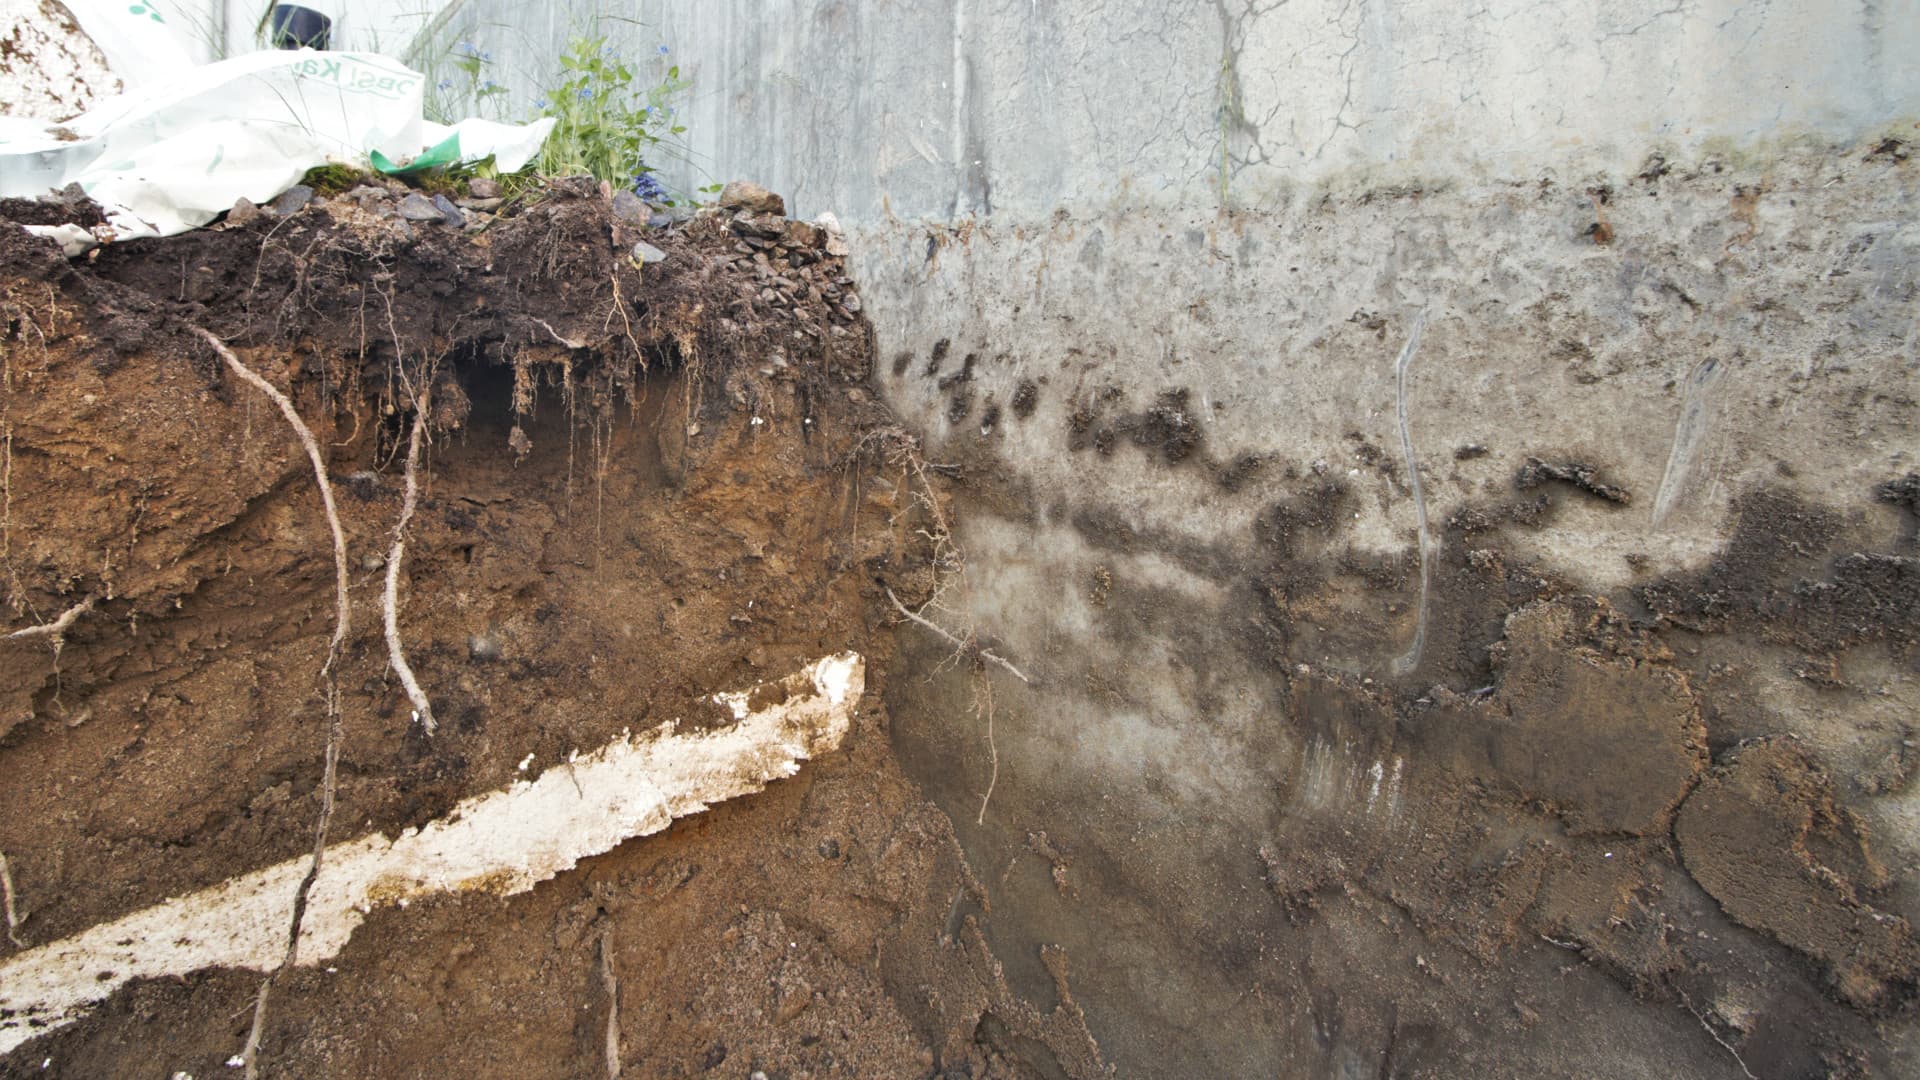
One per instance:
[(640, 485)]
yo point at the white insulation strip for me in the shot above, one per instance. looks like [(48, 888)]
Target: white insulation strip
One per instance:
[(504, 842)]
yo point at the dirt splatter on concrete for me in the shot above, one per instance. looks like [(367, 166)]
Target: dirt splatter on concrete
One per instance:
[(1764, 835)]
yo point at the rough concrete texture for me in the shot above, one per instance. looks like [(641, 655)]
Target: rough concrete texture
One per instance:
[(1141, 274), (1191, 520)]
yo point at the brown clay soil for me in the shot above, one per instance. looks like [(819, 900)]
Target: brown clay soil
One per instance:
[(644, 484)]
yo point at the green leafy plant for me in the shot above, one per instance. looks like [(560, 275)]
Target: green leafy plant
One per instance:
[(607, 124), (464, 86)]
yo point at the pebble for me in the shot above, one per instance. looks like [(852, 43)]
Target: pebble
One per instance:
[(449, 213), (631, 209), (746, 195), (481, 188), (417, 207), (293, 200), (483, 647), (243, 211), (644, 252)]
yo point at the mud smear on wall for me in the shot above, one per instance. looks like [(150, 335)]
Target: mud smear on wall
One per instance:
[(1574, 823), (642, 488)]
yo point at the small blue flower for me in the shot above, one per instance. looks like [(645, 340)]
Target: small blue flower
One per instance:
[(585, 94), (487, 56), (446, 84), (648, 186), (541, 104), (663, 50), (489, 85), (465, 48)]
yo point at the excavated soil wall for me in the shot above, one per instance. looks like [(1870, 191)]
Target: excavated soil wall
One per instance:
[(641, 485)]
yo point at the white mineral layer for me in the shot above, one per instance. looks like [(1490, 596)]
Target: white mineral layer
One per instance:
[(503, 842)]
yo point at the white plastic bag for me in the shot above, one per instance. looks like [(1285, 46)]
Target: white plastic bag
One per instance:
[(511, 145), (170, 157)]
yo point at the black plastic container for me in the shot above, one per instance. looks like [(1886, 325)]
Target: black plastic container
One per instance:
[(290, 26)]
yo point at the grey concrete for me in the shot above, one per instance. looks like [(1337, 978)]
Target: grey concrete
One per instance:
[(1674, 239)]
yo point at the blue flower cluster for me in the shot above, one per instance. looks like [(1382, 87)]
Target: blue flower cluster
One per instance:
[(472, 52), (648, 187)]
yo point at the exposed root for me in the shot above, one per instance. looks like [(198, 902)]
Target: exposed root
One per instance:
[(329, 781), (983, 703), (1409, 660), (950, 570), (557, 336), (14, 918), (1724, 1044), (312, 446), (611, 984), (56, 631), (396, 555), (967, 646)]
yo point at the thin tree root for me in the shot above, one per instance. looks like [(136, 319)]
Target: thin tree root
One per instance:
[(329, 781), (965, 645), (56, 631), (1724, 1044), (611, 984), (14, 918), (985, 695), (312, 446), (390, 601)]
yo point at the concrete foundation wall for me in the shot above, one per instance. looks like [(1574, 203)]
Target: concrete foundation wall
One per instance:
[(1642, 795)]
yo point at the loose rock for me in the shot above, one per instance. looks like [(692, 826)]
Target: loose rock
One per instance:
[(416, 207), (746, 195), (293, 200)]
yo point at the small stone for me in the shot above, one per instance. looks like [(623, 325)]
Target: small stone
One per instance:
[(483, 647), (644, 253), (675, 214), (482, 188), (769, 227), (746, 195), (803, 235), (793, 1004), (851, 302), (293, 200), (417, 207), (829, 849), (836, 247), (449, 213), (479, 204), (631, 209), (243, 212)]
